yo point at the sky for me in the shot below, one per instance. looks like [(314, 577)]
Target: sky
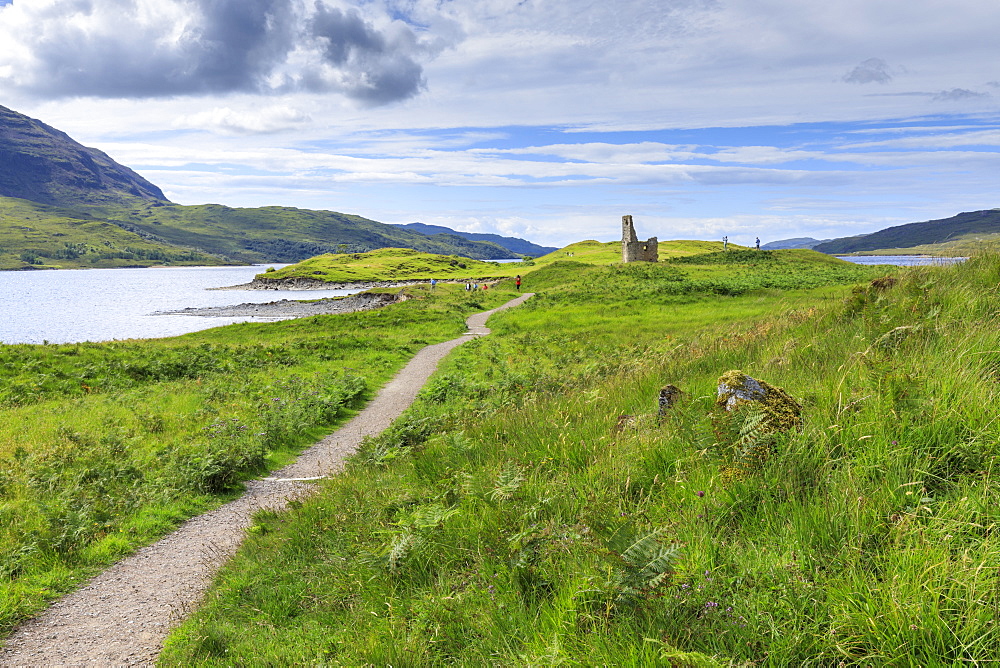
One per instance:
[(542, 119)]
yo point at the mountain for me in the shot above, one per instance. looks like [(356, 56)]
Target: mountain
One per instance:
[(963, 230), (65, 205), (42, 164), (286, 234), (513, 244), (798, 242)]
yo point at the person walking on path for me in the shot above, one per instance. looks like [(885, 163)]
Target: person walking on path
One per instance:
[(434, 283), (517, 282)]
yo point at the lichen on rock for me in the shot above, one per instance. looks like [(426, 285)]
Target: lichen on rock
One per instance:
[(752, 413), (736, 389)]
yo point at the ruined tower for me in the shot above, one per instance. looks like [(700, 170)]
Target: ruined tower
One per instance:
[(634, 250)]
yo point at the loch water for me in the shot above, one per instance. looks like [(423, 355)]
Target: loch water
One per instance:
[(901, 260), (74, 305)]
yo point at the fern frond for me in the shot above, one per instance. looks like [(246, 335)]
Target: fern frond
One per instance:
[(508, 482), (403, 545), (646, 562)]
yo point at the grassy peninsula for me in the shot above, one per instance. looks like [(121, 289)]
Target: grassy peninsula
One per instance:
[(386, 264)]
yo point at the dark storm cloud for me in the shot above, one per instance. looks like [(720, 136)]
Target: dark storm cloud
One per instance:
[(873, 70), (240, 42), (348, 42), (150, 48)]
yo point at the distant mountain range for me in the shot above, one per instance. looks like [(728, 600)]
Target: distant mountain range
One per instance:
[(63, 204), (961, 231), (962, 234), (513, 244), (799, 242)]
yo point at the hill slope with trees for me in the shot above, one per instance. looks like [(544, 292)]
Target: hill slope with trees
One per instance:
[(55, 192)]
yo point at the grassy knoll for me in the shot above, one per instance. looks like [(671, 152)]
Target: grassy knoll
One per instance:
[(386, 264), (515, 516), (610, 252), (106, 446)]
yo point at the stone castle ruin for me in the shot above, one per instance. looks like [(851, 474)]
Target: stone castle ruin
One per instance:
[(634, 250)]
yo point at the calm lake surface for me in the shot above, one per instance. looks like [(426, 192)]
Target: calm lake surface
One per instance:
[(901, 260), (72, 305)]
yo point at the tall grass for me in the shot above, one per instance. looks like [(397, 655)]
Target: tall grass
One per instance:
[(104, 447), (533, 509)]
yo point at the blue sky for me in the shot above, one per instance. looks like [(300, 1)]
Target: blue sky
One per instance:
[(533, 118)]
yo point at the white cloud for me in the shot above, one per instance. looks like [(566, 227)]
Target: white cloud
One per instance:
[(226, 120)]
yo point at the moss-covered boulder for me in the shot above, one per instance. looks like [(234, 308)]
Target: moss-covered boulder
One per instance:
[(736, 389), (751, 412)]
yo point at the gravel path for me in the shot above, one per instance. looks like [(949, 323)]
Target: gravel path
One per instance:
[(122, 616)]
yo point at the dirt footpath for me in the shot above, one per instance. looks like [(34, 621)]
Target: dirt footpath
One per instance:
[(122, 616)]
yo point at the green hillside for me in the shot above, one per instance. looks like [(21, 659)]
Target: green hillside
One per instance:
[(211, 233), (958, 235), (285, 234), (513, 244), (37, 236), (534, 509)]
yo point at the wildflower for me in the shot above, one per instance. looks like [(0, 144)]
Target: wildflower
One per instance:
[(700, 493)]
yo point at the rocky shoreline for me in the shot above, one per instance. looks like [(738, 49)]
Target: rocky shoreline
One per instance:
[(314, 284), (289, 308)]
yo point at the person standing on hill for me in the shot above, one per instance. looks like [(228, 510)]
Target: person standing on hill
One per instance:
[(758, 243), (517, 282), (725, 243), (434, 283)]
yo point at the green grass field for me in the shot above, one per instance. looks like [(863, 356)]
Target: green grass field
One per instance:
[(107, 446), (532, 509)]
